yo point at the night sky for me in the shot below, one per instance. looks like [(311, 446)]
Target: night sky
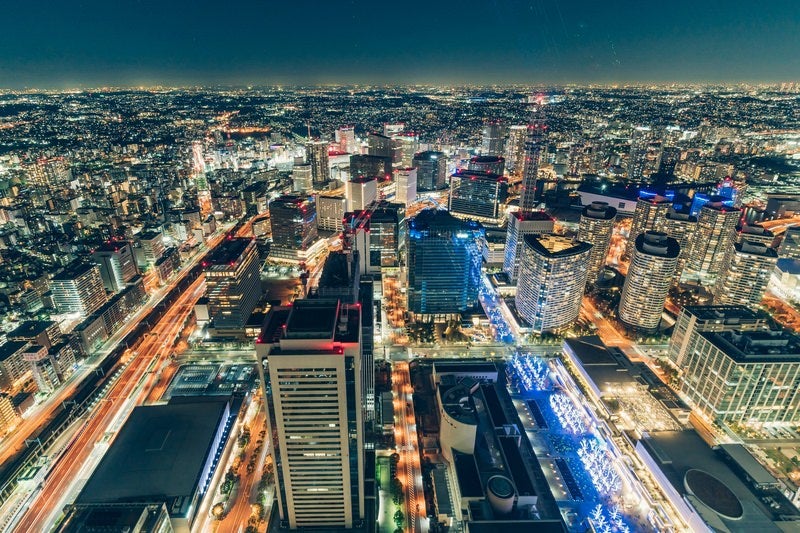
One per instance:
[(66, 43)]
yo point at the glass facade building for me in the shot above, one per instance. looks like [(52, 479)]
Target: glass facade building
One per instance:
[(233, 283), (294, 225), (480, 195)]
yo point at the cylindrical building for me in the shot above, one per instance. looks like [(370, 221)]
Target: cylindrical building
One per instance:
[(650, 215), (745, 274), (596, 227)]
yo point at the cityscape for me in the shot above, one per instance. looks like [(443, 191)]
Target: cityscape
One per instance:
[(368, 306)]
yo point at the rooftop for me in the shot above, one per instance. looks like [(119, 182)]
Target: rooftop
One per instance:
[(599, 210), (30, 329), (481, 176), (73, 271), (763, 346), (228, 252), (726, 313), (556, 245), (657, 244), (10, 348)]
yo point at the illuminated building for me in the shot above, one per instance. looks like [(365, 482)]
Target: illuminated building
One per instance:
[(345, 137), (758, 234), (650, 215), (150, 247), (78, 289), (370, 166), (515, 149), (535, 142), (552, 277), (330, 210), (310, 366), (233, 284), (360, 193), (681, 226), (790, 245), (444, 264), (387, 235), (393, 128), (595, 227), (302, 178), (713, 238), (294, 227), (519, 225), (406, 185), (317, 157), (404, 146), (745, 273), (492, 164), (478, 195), (117, 264), (379, 146), (637, 158), (431, 170), (650, 274), (492, 136)]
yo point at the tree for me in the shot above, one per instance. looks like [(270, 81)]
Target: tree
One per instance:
[(218, 511), (399, 518)]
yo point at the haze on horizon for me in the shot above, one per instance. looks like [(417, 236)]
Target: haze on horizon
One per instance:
[(256, 42)]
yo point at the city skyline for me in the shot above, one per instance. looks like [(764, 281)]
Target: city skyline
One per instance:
[(252, 43)]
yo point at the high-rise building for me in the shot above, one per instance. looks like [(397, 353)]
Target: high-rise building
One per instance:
[(714, 236), (78, 289), (117, 264), (317, 157), (150, 247), (650, 274), (404, 146), (330, 211), (493, 164), (233, 283), (637, 158), (406, 185), (478, 195), (790, 245), (519, 225), (360, 193), (303, 178), (745, 273), (515, 149), (596, 227), (760, 234), (310, 364), (493, 138), (551, 281), (431, 170), (294, 226), (345, 137), (650, 215), (535, 143), (370, 166), (387, 234), (670, 156), (680, 225), (444, 264), (379, 145)]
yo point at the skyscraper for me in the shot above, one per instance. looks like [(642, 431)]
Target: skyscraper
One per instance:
[(650, 215), (534, 144), (294, 226), (379, 145), (317, 157), (744, 274), (310, 365), (370, 166), (535, 223), (444, 264), (117, 264), (345, 137), (637, 158), (406, 185), (714, 236), (492, 136), (681, 226), (650, 274), (233, 283), (78, 289), (330, 210), (361, 192), (478, 195), (670, 156), (493, 164), (404, 146), (431, 170), (595, 227), (515, 149), (302, 178), (387, 234), (551, 282)]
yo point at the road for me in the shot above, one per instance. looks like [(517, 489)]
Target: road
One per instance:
[(409, 469), (74, 467)]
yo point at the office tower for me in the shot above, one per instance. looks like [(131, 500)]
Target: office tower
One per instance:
[(310, 365), (492, 137), (515, 149), (78, 289), (760, 234), (493, 164), (431, 170), (294, 226), (650, 215), (303, 178), (694, 319), (670, 156), (551, 281), (681, 226), (714, 236), (387, 235), (379, 145), (360, 193), (317, 157), (117, 264), (330, 210), (534, 144), (595, 227), (637, 159), (478, 195), (790, 245), (404, 146), (370, 166), (406, 185), (650, 274), (738, 376), (233, 284), (745, 273), (519, 225), (150, 247), (345, 137), (444, 264)]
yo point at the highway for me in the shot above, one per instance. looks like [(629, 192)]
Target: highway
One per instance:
[(74, 467), (409, 469)]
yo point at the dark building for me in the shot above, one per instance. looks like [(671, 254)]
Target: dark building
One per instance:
[(493, 164), (478, 194), (379, 145), (431, 170), (294, 225), (233, 285), (370, 166), (117, 264)]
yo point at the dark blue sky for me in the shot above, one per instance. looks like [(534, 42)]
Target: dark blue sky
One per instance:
[(58, 43)]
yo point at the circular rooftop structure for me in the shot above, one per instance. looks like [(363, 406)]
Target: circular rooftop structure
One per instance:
[(500, 492), (713, 493)]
